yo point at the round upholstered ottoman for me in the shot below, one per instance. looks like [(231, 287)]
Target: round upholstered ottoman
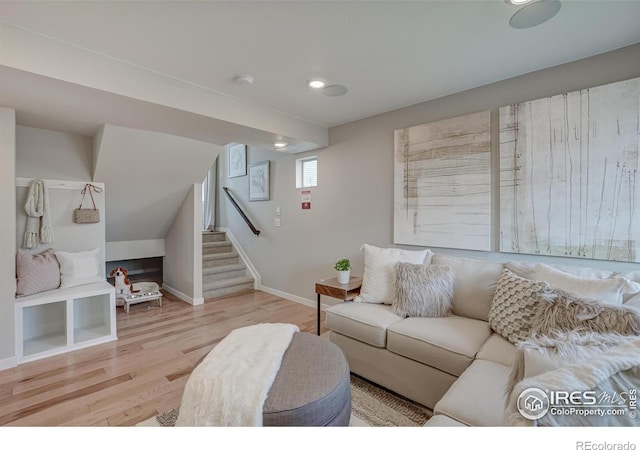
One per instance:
[(312, 387)]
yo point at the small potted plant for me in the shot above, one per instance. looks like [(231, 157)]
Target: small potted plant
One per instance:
[(343, 266)]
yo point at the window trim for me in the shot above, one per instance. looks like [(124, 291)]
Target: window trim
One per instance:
[(300, 162)]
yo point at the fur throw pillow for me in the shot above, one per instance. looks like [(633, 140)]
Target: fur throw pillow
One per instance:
[(560, 311), (423, 291)]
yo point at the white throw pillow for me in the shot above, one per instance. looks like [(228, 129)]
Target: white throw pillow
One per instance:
[(80, 267), (608, 290), (379, 279)]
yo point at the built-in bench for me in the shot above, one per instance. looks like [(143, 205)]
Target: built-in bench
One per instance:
[(64, 319)]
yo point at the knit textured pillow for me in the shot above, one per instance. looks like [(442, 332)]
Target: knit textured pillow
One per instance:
[(561, 311), (423, 291), (514, 306)]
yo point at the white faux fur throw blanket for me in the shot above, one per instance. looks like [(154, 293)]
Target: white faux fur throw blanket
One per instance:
[(577, 377), (229, 387), (38, 230)]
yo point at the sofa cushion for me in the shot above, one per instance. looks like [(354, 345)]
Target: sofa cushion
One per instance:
[(605, 290), (446, 343), (379, 279), (366, 322), (477, 398), (497, 349), (474, 283), (526, 269)]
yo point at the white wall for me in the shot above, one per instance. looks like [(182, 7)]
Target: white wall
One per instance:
[(353, 203), (147, 175), (53, 154), (182, 265), (122, 250), (7, 233)]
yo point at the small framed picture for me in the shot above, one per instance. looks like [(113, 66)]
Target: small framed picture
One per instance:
[(237, 160), (259, 181)]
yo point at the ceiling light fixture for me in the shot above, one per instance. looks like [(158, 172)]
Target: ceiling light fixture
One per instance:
[(316, 83), (280, 144), (244, 80), (535, 13), (518, 2)]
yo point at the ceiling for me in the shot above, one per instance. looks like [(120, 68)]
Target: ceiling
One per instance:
[(389, 54)]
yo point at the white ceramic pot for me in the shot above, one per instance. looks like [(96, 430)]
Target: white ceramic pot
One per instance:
[(343, 276)]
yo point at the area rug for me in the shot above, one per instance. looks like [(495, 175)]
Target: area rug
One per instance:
[(371, 405)]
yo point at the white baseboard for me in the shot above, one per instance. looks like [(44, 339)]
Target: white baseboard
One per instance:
[(184, 297), (292, 297), (243, 256), (8, 363)]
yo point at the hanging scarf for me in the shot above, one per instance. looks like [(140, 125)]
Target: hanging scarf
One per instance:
[(38, 230)]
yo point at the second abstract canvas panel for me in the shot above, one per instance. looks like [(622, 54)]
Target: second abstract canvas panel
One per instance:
[(442, 192)]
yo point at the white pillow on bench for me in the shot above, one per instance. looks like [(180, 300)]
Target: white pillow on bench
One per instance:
[(80, 267)]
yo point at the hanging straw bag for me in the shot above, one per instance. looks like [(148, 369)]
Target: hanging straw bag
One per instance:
[(87, 215)]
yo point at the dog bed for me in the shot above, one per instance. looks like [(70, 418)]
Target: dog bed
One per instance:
[(146, 288)]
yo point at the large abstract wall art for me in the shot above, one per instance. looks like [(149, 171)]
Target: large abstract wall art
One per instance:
[(568, 170), (442, 183)]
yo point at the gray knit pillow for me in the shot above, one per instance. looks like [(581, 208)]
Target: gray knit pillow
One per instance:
[(514, 306), (423, 291)]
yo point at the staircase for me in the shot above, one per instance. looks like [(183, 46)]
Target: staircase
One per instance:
[(223, 273)]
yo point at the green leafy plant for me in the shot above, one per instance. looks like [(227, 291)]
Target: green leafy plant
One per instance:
[(343, 264)]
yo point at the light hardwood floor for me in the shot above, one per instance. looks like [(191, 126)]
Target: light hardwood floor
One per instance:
[(144, 372)]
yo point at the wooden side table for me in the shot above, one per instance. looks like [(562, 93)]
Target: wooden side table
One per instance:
[(331, 288)]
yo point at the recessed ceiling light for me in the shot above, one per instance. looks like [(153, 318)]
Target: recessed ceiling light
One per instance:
[(280, 144), (535, 13), (316, 83), (244, 80)]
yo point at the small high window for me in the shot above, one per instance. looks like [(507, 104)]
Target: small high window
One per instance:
[(307, 172)]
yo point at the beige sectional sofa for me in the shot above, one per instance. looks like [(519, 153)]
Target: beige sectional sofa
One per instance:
[(456, 365)]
